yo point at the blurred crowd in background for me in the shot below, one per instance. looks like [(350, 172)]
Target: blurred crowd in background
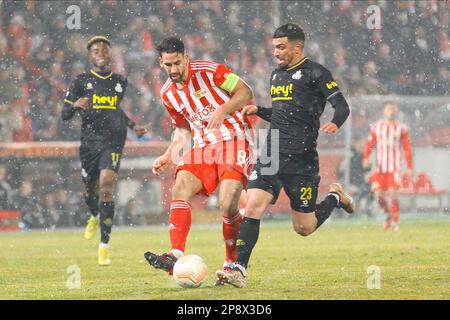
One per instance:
[(40, 56)]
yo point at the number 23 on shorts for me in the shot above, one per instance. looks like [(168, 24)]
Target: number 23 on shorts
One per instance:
[(305, 193)]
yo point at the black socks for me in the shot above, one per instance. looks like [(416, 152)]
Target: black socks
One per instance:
[(106, 220), (248, 236), (92, 203), (325, 208)]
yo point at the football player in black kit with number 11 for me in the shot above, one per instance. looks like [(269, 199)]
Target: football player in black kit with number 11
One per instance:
[(96, 96), (299, 89)]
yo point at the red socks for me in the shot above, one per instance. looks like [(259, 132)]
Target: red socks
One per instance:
[(179, 223), (395, 210), (230, 229), (383, 204)]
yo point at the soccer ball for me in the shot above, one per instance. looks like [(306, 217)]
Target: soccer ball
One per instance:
[(190, 271)]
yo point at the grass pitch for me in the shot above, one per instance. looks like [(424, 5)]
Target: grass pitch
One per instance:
[(333, 263)]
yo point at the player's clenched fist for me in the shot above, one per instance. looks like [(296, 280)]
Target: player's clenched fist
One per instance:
[(161, 164), (249, 110), (82, 103)]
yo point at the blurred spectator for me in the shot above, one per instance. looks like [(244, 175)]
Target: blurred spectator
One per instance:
[(359, 184), (30, 207), (387, 67), (66, 209), (51, 214), (5, 190), (371, 83), (131, 215)]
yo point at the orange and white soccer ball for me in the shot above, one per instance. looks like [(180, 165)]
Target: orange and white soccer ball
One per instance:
[(190, 271)]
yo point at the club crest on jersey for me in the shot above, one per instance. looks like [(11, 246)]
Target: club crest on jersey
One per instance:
[(297, 75), (89, 86), (118, 87), (200, 93)]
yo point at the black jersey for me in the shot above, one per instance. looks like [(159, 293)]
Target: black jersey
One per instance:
[(299, 94), (104, 123)]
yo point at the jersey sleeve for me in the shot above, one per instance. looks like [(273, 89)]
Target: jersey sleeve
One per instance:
[(325, 82), (177, 119), (225, 79), (75, 91), (124, 84)]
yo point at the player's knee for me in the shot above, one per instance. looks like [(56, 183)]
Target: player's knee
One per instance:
[(254, 212), (181, 190), (303, 230), (227, 205), (228, 202)]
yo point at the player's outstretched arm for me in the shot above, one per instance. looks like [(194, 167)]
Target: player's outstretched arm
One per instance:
[(242, 93), (181, 137), (264, 113)]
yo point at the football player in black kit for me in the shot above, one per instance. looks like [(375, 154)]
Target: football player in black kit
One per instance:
[(299, 89), (96, 96)]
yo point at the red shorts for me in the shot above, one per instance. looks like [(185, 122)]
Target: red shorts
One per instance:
[(214, 163), (385, 181)]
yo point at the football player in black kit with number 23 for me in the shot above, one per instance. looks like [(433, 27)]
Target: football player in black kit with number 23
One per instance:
[(299, 90), (96, 96)]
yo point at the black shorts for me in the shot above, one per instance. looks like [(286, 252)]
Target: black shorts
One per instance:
[(93, 160), (297, 174)]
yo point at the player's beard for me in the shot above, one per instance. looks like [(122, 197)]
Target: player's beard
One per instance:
[(178, 79), (283, 64)]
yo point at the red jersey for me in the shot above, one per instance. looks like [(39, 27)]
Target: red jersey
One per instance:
[(389, 139), (192, 106)]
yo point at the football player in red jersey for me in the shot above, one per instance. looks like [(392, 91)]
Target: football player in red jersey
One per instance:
[(204, 100), (388, 137)]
